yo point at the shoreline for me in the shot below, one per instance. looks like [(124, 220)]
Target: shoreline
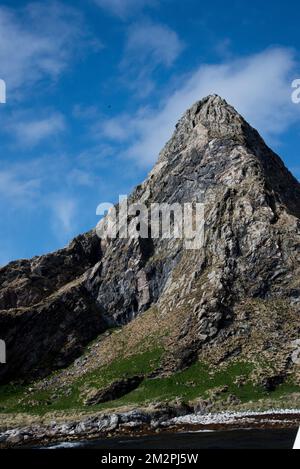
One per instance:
[(143, 422)]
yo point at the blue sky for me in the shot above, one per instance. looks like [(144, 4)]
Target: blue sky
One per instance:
[(95, 87)]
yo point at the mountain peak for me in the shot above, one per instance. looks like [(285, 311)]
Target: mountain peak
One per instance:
[(209, 118), (216, 115), (214, 100), (203, 303), (212, 137)]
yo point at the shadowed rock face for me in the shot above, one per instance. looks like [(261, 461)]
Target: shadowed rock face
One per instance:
[(53, 305), (116, 390)]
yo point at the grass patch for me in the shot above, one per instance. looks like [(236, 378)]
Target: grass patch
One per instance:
[(195, 382), (72, 397), (198, 381), (9, 395)]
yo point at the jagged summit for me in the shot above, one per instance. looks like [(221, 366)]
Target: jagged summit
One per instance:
[(237, 296), (212, 121), (213, 111), (214, 116), (209, 119)]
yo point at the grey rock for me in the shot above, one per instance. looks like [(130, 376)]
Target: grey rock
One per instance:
[(52, 306)]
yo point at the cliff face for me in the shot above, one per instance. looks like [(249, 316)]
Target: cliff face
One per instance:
[(241, 288)]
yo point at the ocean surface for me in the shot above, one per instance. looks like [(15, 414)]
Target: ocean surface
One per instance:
[(235, 439)]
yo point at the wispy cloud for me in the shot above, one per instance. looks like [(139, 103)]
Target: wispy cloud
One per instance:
[(50, 186), (258, 86), (113, 129), (34, 182), (148, 46), (81, 178), (125, 8), (29, 131), (64, 210), (151, 42), (16, 187), (37, 42)]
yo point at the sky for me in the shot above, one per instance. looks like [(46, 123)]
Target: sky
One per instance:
[(95, 88)]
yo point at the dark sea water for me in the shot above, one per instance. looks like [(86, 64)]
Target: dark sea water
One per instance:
[(235, 439)]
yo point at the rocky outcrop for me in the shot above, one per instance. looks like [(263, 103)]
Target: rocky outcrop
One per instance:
[(114, 391), (47, 315), (53, 305)]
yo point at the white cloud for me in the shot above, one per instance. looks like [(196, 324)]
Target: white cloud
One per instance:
[(29, 131), (148, 46), (78, 177), (152, 41), (64, 211), (124, 8), (37, 42), (35, 187), (25, 183), (16, 188), (259, 86), (114, 129), (35, 182)]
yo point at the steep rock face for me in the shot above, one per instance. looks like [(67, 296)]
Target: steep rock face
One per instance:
[(47, 315), (53, 305)]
